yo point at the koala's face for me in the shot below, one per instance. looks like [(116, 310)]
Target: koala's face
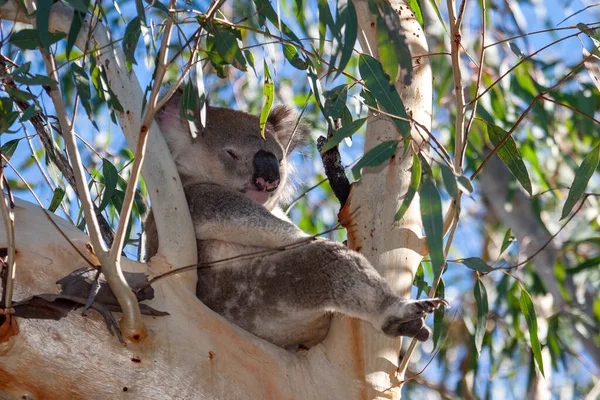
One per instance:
[(230, 151)]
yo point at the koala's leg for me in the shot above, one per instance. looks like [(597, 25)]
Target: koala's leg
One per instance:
[(319, 277)]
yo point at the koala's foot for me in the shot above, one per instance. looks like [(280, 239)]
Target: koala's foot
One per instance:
[(407, 318)]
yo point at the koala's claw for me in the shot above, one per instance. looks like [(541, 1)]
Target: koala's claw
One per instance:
[(430, 305)]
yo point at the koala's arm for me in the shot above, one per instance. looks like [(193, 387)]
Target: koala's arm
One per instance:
[(222, 214)]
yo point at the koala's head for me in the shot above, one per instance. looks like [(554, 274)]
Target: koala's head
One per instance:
[(230, 150)]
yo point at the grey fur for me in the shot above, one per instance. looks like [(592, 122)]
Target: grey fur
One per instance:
[(286, 298)]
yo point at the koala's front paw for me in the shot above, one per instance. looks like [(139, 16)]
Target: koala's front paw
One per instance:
[(408, 318)]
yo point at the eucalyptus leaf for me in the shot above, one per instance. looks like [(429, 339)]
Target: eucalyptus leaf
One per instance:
[(449, 181), (342, 133), (530, 316), (378, 83), (110, 177), (476, 264), (433, 222), (481, 299), (269, 97), (57, 198), (413, 188), (582, 178), (376, 156), (509, 154)]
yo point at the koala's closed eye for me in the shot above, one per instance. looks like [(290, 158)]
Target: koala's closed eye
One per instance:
[(233, 155)]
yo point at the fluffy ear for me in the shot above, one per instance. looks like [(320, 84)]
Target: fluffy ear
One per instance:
[(175, 129), (287, 128)]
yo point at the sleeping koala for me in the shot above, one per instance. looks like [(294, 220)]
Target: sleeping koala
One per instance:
[(234, 181)]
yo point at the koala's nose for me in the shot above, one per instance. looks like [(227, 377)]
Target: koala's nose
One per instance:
[(266, 171)]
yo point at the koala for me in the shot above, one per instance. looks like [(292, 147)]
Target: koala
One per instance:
[(234, 181)]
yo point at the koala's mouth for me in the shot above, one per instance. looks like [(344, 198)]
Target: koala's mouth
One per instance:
[(260, 196)]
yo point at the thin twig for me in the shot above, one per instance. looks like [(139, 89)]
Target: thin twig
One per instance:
[(115, 250)]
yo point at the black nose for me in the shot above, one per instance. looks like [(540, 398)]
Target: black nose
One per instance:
[(266, 171)]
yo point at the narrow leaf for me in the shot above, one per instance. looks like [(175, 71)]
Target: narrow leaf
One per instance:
[(335, 101), (110, 177), (228, 48), (481, 300), (188, 102), (431, 214), (348, 14), (292, 55), (375, 156), (378, 83), (508, 239), (464, 184), (582, 177), (42, 16), (8, 148), (269, 93), (413, 187), (416, 9), (587, 264), (477, 264), (531, 318), (593, 68), (449, 181), (509, 154), (342, 133), (57, 198), (27, 39), (130, 40), (201, 92)]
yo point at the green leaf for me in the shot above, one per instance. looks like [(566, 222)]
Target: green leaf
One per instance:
[(42, 17), (325, 20), (292, 55), (582, 177), (250, 59), (110, 178), (75, 28), (269, 93), (420, 282), (449, 181), (515, 49), (509, 154), (335, 101), (433, 4), (413, 188), (7, 115), (18, 94), (265, 9), (587, 264), (57, 198), (30, 112), (82, 83), (464, 184), (481, 300), (368, 98), (375, 156), (8, 148), (431, 214), (508, 239), (378, 83), (188, 102), (531, 318), (35, 80), (342, 133), (315, 85), (348, 15), (438, 315), (27, 39), (226, 44), (416, 9), (130, 40), (476, 264)]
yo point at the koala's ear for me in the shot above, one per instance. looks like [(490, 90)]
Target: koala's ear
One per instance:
[(283, 121)]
